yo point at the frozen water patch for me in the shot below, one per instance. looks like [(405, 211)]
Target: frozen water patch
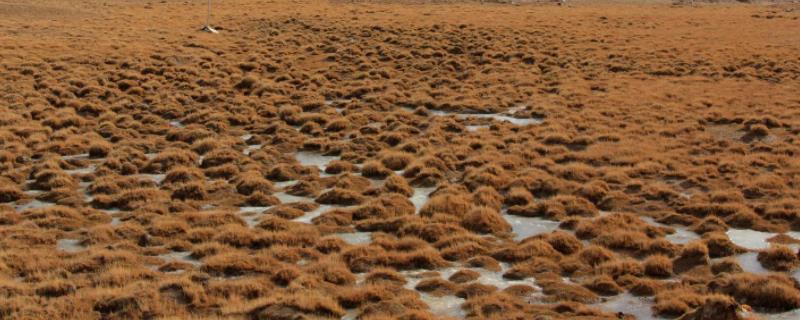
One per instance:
[(639, 307), (247, 151), (288, 198), (313, 214), (157, 178), (70, 245), (444, 306), (33, 204), (307, 158), (682, 235), (529, 226), (176, 124), (81, 156), (750, 239), (355, 238), (284, 184), (180, 256), (82, 171), (421, 196), (441, 306), (473, 128), (502, 117), (749, 263)]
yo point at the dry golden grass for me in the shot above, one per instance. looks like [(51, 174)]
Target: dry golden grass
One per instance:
[(151, 171)]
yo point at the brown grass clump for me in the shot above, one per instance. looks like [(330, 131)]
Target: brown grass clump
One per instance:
[(693, 254), (291, 305), (375, 170), (464, 275), (595, 255), (564, 242), (340, 166), (10, 193), (560, 291), (779, 258), (437, 287), (342, 197), (525, 251), (451, 204), (253, 182), (727, 265), (396, 160), (518, 197), (719, 245), (398, 184), (485, 220), (772, 292), (658, 266), (603, 285)]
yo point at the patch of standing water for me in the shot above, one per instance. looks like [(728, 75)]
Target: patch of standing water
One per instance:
[(157, 178), (284, 184), (682, 235), (750, 239), (503, 117), (247, 151), (82, 156), (749, 263), (441, 306), (180, 256), (529, 226), (473, 128), (87, 170), (33, 204), (421, 196), (639, 307), (306, 218), (70, 245), (307, 158), (355, 238), (288, 198)]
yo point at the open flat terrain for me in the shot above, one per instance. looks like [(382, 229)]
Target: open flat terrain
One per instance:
[(337, 160)]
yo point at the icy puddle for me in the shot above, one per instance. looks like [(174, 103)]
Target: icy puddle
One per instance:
[(502, 117), (355, 238), (755, 240), (421, 196), (314, 213), (451, 305), (180, 256), (529, 226), (639, 307), (682, 234), (70, 245), (307, 158)]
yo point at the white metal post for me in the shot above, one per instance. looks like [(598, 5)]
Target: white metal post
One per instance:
[(207, 27)]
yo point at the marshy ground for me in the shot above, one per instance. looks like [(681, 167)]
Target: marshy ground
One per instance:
[(335, 160)]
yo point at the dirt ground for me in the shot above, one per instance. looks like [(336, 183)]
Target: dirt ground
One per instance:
[(319, 160)]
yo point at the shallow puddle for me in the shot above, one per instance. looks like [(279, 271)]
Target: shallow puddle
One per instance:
[(288, 198), (307, 158), (180, 256), (157, 178), (70, 245), (529, 226), (682, 234), (750, 239), (355, 238), (33, 204), (639, 307), (421, 196), (314, 213)]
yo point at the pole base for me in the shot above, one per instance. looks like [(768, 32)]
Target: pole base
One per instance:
[(209, 29)]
